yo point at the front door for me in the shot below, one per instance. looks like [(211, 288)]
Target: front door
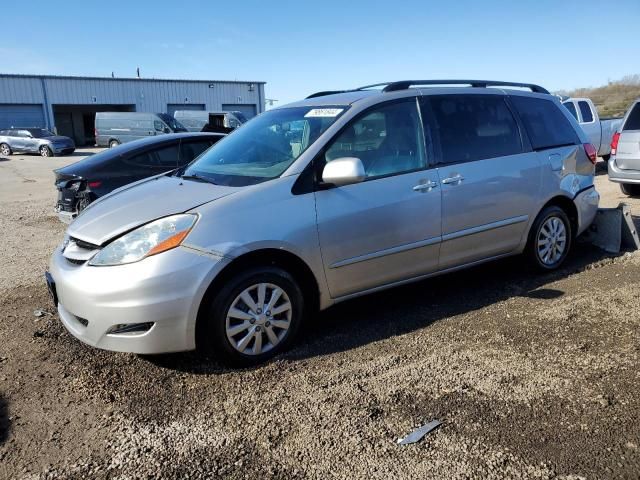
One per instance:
[(489, 183), (386, 228)]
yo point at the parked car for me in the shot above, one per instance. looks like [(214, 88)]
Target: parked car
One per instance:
[(82, 182), (599, 130), (34, 140), (114, 128), (382, 188), (624, 166), (195, 120)]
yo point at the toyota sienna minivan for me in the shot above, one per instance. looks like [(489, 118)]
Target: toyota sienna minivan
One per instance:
[(316, 202)]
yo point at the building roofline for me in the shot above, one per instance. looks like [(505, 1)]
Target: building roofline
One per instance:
[(80, 77)]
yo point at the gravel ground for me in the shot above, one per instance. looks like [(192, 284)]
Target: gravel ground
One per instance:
[(532, 376)]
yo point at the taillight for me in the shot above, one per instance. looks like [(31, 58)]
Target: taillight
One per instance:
[(614, 143), (95, 184), (591, 152)]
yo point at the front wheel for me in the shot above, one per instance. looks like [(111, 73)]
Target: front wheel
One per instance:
[(550, 239), (252, 318), (45, 151), (113, 143), (5, 150)]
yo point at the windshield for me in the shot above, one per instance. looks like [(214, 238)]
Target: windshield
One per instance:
[(40, 133), (173, 124), (264, 147)]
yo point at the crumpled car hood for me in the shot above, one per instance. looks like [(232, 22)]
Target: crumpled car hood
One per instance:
[(149, 200)]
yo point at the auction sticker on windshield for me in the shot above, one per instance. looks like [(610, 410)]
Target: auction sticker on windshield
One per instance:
[(324, 112)]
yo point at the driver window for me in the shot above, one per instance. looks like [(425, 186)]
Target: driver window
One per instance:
[(388, 140), (158, 125)]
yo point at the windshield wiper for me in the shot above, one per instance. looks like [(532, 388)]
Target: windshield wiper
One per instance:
[(197, 178)]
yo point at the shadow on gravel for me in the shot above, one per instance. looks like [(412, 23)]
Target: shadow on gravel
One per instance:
[(4, 159), (5, 424), (408, 308)]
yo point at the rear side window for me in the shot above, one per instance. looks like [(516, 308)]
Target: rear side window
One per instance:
[(546, 126), (585, 111), (633, 120), (572, 109), (167, 156), (474, 127)]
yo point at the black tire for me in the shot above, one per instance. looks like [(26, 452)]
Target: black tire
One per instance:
[(630, 189), (45, 151), (533, 252), (212, 334), (113, 143), (5, 150)]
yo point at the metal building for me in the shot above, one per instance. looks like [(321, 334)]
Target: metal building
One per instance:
[(67, 105)]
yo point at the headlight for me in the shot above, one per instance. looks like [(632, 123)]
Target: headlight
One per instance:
[(150, 239)]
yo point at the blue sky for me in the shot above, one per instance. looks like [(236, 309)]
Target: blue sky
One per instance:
[(304, 46)]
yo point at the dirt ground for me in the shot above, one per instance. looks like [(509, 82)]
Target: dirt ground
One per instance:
[(533, 376)]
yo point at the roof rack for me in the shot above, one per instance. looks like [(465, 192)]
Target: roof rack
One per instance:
[(405, 84)]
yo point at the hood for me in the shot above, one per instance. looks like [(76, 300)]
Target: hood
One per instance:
[(147, 201)]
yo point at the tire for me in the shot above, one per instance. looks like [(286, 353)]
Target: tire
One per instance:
[(233, 337), (5, 150), (550, 218), (630, 189), (45, 151), (606, 157), (113, 143)]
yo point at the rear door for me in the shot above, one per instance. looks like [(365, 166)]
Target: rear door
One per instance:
[(628, 153), (490, 180), (386, 228)]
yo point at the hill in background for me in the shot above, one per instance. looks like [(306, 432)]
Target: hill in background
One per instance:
[(612, 100)]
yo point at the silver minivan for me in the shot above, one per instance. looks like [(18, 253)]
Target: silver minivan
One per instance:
[(310, 204), (624, 165)]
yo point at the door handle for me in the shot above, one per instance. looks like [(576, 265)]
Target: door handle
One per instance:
[(426, 186), (456, 179)]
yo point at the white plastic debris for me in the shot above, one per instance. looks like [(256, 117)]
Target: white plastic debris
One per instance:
[(419, 432)]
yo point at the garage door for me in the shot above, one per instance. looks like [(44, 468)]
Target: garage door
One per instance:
[(172, 107), (248, 110), (16, 115)]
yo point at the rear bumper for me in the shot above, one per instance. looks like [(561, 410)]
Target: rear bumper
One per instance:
[(618, 175)]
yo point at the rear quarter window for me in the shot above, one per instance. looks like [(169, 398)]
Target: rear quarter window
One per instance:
[(633, 120), (545, 124), (572, 109)]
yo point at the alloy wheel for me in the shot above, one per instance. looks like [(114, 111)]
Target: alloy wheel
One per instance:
[(44, 151), (552, 241), (258, 319)]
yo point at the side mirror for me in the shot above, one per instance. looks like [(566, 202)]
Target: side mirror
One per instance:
[(344, 171)]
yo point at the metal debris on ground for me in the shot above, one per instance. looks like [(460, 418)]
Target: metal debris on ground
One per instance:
[(419, 432), (613, 229)]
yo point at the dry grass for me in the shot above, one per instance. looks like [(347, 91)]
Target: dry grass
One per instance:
[(613, 99)]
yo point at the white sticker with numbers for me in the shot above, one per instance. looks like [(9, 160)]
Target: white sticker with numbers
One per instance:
[(324, 112)]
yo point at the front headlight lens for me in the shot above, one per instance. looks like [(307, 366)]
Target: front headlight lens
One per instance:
[(150, 239)]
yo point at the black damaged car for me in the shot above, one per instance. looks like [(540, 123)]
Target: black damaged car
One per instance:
[(82, 182)]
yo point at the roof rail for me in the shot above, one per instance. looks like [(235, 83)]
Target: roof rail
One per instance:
[(326, 92), (332, 92), (405, 84)]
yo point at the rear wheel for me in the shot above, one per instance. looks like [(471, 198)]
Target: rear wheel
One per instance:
[(550, 239), (45, 151), (630, 189), (253, 317), (113, 143), (5, 150)]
